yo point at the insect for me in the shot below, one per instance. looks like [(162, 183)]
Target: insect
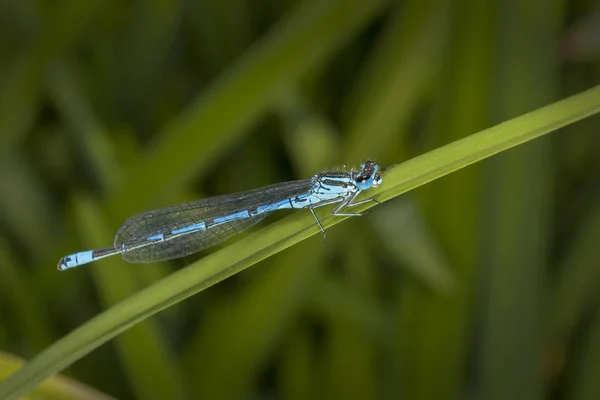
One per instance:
[(180, 230)]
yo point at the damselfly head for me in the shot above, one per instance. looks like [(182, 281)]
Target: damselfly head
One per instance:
[(368, 176)]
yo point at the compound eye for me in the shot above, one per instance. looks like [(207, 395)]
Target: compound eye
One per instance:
[(367, 176)]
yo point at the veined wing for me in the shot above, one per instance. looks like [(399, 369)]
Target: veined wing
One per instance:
[(183, 229)]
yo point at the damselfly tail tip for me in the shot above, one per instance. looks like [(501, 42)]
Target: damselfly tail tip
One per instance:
[(62, 264), (67, 262)]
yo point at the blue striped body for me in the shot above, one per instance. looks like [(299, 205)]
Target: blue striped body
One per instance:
[(180, 230)]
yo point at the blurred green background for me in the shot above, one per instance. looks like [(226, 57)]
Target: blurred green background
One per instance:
[(481, 285)]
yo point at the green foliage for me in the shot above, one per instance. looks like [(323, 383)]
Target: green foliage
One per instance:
[(482, 281)]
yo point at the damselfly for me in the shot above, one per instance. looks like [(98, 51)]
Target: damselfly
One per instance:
[(180, 230)]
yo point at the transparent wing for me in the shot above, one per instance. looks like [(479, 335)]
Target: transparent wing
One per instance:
[(133, 235)]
